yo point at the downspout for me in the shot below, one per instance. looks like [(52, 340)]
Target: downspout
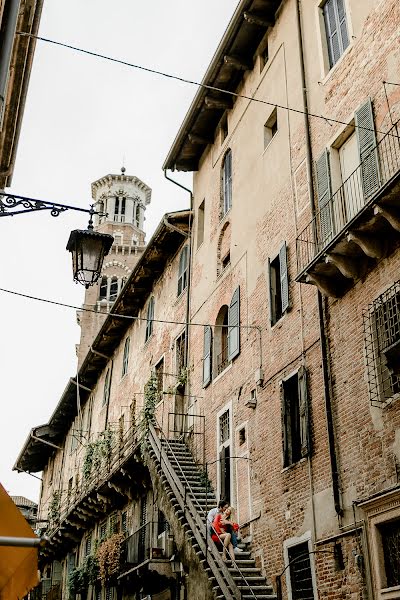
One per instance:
[(322, 306), (188, 288)]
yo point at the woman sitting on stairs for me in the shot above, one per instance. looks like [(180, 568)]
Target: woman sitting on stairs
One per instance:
[(220, 534)]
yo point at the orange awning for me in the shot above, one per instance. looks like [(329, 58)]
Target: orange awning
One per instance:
[(18, 566)]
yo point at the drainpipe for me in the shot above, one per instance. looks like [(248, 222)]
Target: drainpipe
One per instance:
[(322, 305)]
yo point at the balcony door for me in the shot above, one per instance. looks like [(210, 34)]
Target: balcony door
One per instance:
[(224, 455), (352, 190)]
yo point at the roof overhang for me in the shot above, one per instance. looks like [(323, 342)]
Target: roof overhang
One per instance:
[(234, 55), (20, 70), (165, 242)]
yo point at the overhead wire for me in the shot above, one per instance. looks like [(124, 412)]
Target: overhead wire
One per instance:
[(196, 83)]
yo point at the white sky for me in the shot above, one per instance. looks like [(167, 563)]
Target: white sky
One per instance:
[(83, 115)]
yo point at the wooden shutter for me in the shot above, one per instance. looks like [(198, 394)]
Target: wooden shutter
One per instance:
[(324, 198), (271, 298), (233, 325), (344, 36), (207, 355), (303, 411), (332, 32), (364, 121), (285, 409), (284, 277)]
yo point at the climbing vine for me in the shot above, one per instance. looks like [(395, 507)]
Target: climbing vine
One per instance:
[(182, 378), (54, 506), (109, 557), (98, 452), (81, 577), (147, 417)]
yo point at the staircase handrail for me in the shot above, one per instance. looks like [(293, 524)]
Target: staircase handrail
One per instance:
[(187, 484), (218, 567)]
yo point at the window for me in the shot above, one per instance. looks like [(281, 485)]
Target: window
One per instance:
[(296, 442), (180, 353), (125, 358), (337, 36), (226, 183), (71, 559), (137, 215), (159, 371), (150, 317), (103, 288), (124, 522), (271, 127), (226, 342), (103, 530), (264, 56), (278, 285), (107, 387), (119, 212), (390, 542), (113, 289), (200, 224), (300, 573), (183, 270), (382, 345), (114, 523), (226, 261)]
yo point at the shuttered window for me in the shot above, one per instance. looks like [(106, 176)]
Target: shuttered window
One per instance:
[(207, 355), (295, 418), (324, 191), (301, 582), (278, 285), (337, 36), (150, 317), (183, 270), (365, 128), (226, 183), (233, 325)]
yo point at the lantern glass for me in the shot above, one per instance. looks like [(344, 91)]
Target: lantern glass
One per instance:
[(88, 249)]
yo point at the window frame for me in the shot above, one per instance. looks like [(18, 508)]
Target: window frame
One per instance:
[(183, 270), (290, 543), (125, 356), (149, 319), (279, 292), (226, 183), (301, 415), (332, 60), (107, 386)]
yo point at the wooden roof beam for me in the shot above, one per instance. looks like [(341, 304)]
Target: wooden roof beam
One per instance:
[(238, 63), (255, 19), (218, 103)]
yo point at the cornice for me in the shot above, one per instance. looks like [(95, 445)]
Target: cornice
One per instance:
[(109, 180)]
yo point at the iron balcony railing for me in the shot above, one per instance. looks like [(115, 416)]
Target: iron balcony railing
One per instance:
[(143, 545), (360, 189)]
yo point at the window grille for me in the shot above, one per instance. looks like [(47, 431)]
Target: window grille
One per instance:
[(224, 428), (382, 345), (300, 572), (390, 536)]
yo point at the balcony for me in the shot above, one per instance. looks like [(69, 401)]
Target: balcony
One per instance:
[(146, 546), (357, 226)]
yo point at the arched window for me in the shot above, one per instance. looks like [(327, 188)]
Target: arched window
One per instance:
[(125, 359), (113, 289), (150, 317), (226, 183), (103, 288), (183, 270)]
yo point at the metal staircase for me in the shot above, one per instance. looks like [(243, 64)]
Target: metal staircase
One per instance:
[(187, 492)]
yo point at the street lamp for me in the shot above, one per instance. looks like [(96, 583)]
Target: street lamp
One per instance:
[(88, 247)]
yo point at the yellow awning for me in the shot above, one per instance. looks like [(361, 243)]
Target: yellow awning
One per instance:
[(18, 566)]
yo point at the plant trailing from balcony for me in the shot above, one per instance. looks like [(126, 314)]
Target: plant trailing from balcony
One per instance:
[(98, 452), (109, 557), (151, 397), (77, 581), (182, 378), (91, 568), (54, 506)]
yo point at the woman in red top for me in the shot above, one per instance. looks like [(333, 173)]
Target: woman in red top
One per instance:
[(221, 535)]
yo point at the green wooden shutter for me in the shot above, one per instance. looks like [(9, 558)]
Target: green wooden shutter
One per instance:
[(326, 229), (271, 299), (344, 36), (337, 36), (304, 414), (284, 277), (233, 325), (364, 121), (207, 355)]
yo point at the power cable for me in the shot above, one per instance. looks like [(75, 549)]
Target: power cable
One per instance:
[(196, 83), (119, 316)]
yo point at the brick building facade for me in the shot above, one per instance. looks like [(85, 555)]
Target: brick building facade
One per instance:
[(270, 323)]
